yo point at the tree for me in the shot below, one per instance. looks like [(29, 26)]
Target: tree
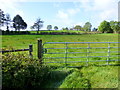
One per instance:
[(38, 25), (7, 20), (19, 23), (105, 27), (87, 26), (65, 28), (78, 27), (2, 17), (56, 28), (49, 27), (115, 26), (94, 29), (112, 24)]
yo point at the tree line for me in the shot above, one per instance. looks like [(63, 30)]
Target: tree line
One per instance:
[(18, 23)]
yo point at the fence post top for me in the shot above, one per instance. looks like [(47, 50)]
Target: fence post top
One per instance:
[(30, 44), (39, 39)]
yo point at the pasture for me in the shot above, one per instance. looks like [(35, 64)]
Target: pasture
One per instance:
[(22, 41), (85, 77)]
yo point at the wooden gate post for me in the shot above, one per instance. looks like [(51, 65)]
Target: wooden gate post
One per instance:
[(40, 50), (30, 50)]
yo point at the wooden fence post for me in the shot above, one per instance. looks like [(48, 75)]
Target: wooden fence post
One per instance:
[(30, 50), (40, 50)]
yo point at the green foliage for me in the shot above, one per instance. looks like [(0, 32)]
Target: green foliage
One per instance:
[(56, 27), (78, 27), (49, 27), (19, 23), (87, 26), (66, 28), (19, 71), (2, 17), (105, 27), (38, 25), (115, 26)]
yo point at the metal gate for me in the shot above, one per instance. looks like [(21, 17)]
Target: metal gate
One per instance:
[(81, 53)]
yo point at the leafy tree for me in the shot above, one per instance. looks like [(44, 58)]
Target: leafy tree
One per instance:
[(7, 20), (2, 17), (87, 26), (65, 28), (56, 28), (19, 23), (49, 27), (38, 25), (115, 26), (78, 27), (105, 27), (112, 24)]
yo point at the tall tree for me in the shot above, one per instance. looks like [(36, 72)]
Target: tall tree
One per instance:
[(7, 20), (115, 26), (19, 23), (105, 27), (2, 17), (49, 27), (87, 26), (56, 28), (38, 25)]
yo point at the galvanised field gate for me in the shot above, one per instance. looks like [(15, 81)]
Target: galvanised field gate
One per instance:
[(80, 53)]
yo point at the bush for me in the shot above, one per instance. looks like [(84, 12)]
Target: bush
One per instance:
[(19, 71)]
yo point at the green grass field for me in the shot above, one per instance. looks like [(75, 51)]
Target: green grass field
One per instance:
[(85, 77), (23, 41)]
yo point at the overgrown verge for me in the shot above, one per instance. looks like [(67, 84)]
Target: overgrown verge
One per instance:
[(19, 71)]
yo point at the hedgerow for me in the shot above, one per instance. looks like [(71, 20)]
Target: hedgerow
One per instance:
[(19, 71)]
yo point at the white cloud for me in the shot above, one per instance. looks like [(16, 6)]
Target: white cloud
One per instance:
[(73, 11), (65, 17), (107, 15), (62, 19), (62, 15), (11, 7), (107, 9)]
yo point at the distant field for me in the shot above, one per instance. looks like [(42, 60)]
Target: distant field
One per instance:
[(71, 31)]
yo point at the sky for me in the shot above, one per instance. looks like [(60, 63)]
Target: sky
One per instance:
[(62, 13)]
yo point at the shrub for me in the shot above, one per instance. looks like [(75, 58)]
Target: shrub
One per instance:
[(19, 71)]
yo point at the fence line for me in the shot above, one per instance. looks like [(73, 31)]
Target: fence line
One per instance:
[(30, 49)]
